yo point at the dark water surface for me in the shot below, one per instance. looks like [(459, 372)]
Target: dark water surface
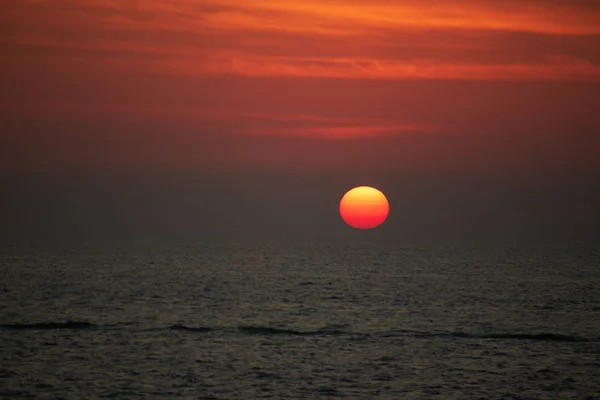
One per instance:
[(299, 322)]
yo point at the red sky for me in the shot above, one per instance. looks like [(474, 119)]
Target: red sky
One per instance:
[(207, 82), (441, 104)]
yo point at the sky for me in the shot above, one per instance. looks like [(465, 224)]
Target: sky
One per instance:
[(249, 119)]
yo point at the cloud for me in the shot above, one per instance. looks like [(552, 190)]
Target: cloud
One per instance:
[(358, 16), (483, 40)]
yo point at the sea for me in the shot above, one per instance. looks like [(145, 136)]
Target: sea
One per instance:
[(299, 321)]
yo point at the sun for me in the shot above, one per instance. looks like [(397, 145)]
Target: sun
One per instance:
[(364, 207)]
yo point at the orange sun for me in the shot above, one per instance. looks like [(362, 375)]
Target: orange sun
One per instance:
[(364, 207)]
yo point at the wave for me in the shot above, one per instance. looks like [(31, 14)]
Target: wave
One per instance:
[(327, 331), (264, 330), (77, 325), (178, 327), (544, 336)]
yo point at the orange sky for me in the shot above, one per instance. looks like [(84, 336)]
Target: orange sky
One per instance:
[(204, 72), (466, 39), (208, 117)]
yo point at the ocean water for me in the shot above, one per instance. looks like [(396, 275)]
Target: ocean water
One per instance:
[(245, 321)]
